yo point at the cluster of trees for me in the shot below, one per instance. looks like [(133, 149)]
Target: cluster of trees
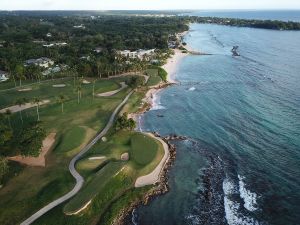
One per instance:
[(123, 123), (135, 81), (266, 24), (27, 141), (22, 37)]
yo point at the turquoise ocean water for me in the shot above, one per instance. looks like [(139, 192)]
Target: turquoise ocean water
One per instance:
[(241, 164)]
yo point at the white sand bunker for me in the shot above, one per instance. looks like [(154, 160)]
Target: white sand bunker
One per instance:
[(58, 85), (97, 157), (86, 82), (125, 156), (25, 89), (111, 93)]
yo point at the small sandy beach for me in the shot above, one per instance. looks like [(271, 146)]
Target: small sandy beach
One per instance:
[(172, 64)]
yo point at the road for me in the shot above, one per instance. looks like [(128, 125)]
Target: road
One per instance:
[(75, 174)]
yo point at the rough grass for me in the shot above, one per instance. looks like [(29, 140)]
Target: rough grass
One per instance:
[(95, 186)]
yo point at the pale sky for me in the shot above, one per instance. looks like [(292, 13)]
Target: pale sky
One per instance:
[(146, 4)]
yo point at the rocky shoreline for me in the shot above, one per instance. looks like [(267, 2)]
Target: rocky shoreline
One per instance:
[(159, 189)]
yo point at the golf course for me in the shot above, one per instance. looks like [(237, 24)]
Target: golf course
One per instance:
[(74, 112)]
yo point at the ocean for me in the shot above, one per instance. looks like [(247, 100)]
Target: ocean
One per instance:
[(241, 162), (283, 15)]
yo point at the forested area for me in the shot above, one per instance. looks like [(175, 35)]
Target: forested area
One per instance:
[(22, 37)]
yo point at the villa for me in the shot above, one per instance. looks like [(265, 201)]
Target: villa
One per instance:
[(3, 76), (42, 62), (140, 54)]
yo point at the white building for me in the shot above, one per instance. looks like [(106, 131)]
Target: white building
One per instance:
[(49, 35), (79, 26), (42, 62), (55, 44), (140, 54), (3, 76)]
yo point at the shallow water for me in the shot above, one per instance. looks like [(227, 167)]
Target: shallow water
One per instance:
[(242, 114)]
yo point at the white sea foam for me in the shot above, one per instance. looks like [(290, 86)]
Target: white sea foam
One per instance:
[(134, 217), (232, 214), (156, 104), (250, 198), (192, 89)]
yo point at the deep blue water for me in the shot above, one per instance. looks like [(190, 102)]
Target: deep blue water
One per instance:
[(284, 15), (241, 164)]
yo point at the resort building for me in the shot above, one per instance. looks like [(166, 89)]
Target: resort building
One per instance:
[(3, 76), (55, 44), (140, 54), (79, 26), (42, 62), (55, 69), (98, 50)]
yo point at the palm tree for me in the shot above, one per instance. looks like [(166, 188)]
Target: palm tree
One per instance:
[(8, 115), (79, 89), (98, 64), (94, 81), (20, 102), (61, 99), (37, 101), (20, 73)]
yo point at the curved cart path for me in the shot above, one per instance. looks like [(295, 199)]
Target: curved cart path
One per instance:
[(75, 174)]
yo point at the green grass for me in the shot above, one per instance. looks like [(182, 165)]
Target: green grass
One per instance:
[(71, 139), (154, 77), (143, 149), (47, 91), (35, 187)]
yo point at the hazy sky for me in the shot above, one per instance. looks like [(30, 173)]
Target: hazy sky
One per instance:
[(148, 4)]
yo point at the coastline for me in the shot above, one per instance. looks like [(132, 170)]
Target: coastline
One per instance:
[(161, 181)]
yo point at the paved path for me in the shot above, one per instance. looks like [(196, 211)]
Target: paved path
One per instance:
[(75, 174)]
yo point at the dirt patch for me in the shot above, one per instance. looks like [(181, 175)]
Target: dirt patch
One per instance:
[(40, 160)]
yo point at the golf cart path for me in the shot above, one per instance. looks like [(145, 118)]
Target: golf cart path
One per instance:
[(75, 174)]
